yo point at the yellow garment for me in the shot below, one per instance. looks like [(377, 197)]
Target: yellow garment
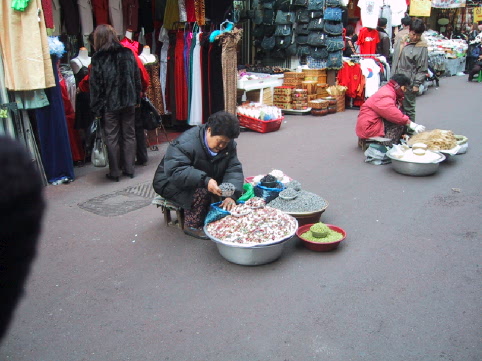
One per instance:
[(171, 14), (25, 47)]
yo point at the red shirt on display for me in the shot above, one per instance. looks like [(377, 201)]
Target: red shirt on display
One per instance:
[(368, 40)]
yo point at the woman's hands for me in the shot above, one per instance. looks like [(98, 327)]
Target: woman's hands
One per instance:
[(213, 187), (228, 204)]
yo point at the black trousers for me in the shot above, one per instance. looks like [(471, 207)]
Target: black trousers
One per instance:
[(119, 128)]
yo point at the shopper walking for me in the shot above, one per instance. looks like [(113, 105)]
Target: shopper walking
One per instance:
[(115, 89), (412, 61)]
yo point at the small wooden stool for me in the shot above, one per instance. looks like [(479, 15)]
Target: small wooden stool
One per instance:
[(167, 207), (365, 143)]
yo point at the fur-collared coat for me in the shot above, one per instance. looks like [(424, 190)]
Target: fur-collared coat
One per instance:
[(114, 80)]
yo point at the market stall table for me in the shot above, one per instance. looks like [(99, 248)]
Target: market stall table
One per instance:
[(261, 82)]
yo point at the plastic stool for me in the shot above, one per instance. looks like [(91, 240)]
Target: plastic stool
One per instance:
[(167, 207), (365, 143)]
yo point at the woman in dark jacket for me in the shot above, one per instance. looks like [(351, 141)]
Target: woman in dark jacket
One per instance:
[(195, 164), (115, 89)]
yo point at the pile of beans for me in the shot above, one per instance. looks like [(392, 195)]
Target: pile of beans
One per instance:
[(305, 202), (227, 189)]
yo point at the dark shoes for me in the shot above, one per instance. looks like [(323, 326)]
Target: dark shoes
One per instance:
[(112, 178), (128, 175), (195, 232)]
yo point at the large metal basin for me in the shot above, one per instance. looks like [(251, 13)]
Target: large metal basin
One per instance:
[(415, 169), (251, 255)]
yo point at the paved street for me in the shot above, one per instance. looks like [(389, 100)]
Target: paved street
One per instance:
[(111, 282)]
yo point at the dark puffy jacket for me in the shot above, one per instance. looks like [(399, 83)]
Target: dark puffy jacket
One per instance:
[(188, 165), (115, 81), (412, 62)]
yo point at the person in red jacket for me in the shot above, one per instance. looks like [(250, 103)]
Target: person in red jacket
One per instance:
[(380, 115)]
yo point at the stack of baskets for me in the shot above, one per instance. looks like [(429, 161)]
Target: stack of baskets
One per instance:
[(300, 99), (315, 74), (321, 91), (293, 79), (282, 96), (318, 106), (310, 86)]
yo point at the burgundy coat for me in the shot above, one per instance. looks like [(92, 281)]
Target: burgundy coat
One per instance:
[(381, 105)]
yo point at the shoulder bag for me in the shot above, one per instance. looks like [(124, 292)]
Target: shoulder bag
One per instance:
[(151, 119)]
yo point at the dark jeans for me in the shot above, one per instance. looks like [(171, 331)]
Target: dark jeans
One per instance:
[(120, 138)]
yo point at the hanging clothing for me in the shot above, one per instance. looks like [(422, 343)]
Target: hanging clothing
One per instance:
[(229, 41), (48, 13), (196, 112), (101, 11), (205, 74), (145, 16), (130, 9), (83, 115), (368, 40), (164, 38), (70, 16), (180, 76), (74, 136), (215, 78), (371, 71), (182, 10), (370, 11), (53, 134), (86, 16), (153, 91), (351, 76), (399, 8), (386, 13), (26, 59), (200, 12), (116, 16), (171, 14)]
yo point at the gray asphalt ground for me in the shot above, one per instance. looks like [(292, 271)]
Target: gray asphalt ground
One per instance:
[(404, 286)]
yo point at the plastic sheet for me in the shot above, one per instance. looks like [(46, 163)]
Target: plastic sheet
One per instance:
[(268, 194)]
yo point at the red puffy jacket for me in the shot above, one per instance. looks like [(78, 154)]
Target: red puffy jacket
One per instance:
[(381, 105)]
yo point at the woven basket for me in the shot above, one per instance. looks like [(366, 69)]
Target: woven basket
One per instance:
[(340, 103), (309, 85), (318, 104), (294, 75), (314, 72), (283, 90)]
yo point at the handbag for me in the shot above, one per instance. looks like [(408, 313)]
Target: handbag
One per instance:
[(335, 43), (303, 16), (303, 50), (268, 16), (316, 24), (151, 119), (301, 39), (333, 14), (319, 53), (282, 5), (268, 43), (303, 3), (335, 60), (302, 29), (333, 28), (316, 38), (258, 31), (315, 4), (333, 3), (283, 42), (284, 17), (283, 30), (99, 157)]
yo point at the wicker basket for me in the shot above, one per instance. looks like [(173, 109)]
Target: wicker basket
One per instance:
[(283, 90), (294, 75), (309, 85), (340, 103), (318, 104)]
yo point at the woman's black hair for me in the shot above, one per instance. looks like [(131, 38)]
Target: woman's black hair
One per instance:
[(224, 123), (401, 79), (417, 26), (350, 30)]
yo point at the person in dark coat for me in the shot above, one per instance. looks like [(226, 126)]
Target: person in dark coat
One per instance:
[(195, 164), (115, 90), (383, 47)]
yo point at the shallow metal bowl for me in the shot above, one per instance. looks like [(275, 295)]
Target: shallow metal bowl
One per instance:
[(251, 255), (415, 169)]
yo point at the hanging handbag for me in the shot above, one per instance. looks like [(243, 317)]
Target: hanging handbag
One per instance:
[(301, 39), (151, 119), (99, 157), (333, 28), (268, 4), (316, 38), (283, 5), (282, 42), (316, 14), (284, 17), (258, 31), (302, 29), (319, 53), (291, 51), (333, 3), (268, 43), (269, 30), (316, 24), (333, 14), (303, 50), (258, 17), (335, 43), (268, 16), (303, 16), (303, 3), (335, 60), (315, 4), (283, 30)]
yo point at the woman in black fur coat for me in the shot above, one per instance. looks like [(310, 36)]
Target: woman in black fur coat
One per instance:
[(115, 89)]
